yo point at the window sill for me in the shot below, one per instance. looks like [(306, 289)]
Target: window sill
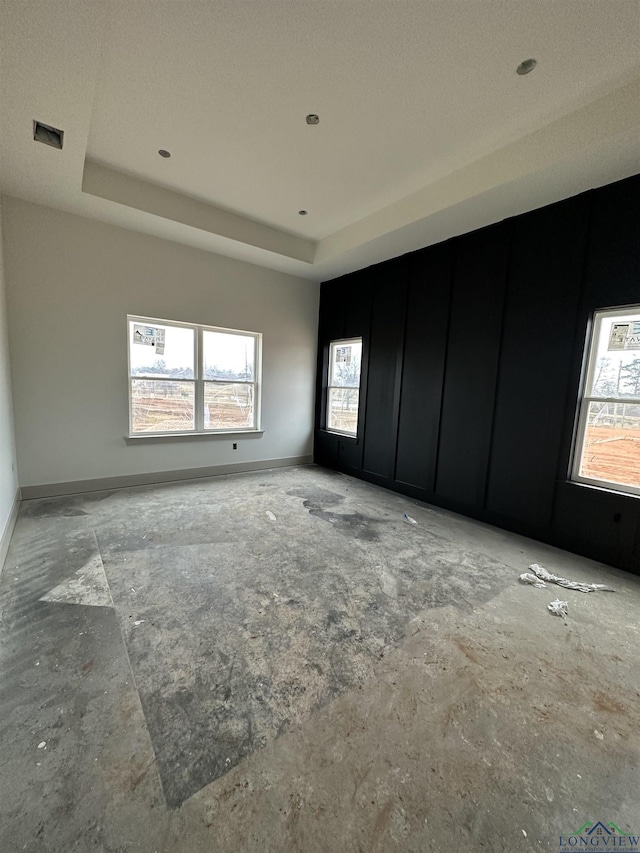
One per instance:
[(335, 432), (182, 436), (597, 487)]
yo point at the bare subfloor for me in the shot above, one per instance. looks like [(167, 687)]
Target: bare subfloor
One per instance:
[(181, 672)]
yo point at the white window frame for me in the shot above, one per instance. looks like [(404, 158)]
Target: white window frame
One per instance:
[(199, 379), (583, 405), (332, 346)]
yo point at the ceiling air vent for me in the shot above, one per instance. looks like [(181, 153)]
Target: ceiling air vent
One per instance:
[(47, 134)]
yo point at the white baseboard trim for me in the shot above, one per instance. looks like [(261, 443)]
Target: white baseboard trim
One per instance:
[(7, 533), (51, 490)]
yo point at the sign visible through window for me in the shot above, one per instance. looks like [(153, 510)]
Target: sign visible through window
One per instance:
[(185, 378)]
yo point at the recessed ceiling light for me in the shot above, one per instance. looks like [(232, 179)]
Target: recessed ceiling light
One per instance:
[(303, 212), (164, 153), (47, 134), (527, 66), (312, 118)]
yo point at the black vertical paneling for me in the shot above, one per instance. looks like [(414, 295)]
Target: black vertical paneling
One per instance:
[(357, 322), (598, 523), (476, 389), (325, 449), (601, 524), (356, 298), (612, 275), (423, 369), (330, 327), (543, 293), (385, 364), (472, 364)]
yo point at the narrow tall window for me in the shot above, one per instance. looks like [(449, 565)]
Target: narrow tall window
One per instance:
[(185, 378), (608, 440), (343, 391)]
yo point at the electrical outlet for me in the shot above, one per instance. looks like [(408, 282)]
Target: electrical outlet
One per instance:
[(235, 445)]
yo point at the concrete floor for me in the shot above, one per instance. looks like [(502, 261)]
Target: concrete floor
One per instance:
[(206, 678)]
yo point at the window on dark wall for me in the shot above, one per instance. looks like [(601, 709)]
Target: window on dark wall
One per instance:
[(343, 387), (608, 440), (185, 378)]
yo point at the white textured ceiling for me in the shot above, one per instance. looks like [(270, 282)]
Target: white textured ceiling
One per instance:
[(425, 128)]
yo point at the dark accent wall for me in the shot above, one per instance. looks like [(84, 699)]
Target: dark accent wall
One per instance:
[(472, 360)]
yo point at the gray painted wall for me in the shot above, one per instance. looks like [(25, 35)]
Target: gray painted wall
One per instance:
[(71, 282), (8, 472)]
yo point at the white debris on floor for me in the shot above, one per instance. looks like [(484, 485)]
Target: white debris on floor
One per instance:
[(559, 608), (544, 575), (527, 577)]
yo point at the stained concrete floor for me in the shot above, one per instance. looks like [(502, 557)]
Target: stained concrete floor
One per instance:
[(181, 672)]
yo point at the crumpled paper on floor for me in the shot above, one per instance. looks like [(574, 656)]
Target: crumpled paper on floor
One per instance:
[(527, 577), (559, 608), (544, 575)]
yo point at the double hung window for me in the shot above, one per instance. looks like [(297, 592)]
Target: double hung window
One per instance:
[(607, 450), (343, 390), (186, 378)]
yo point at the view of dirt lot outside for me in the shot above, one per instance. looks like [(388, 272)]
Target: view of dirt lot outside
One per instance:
[(611, 447), (343, 409), (162, 377), (160, 406)]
